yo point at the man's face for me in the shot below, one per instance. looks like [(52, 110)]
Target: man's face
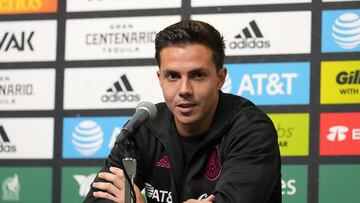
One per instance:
[(190, 85)]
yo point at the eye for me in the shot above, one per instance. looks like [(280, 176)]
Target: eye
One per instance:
[(172, 76), (198, 75)]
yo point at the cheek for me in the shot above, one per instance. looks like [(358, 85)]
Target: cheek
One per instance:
[(168, 93)]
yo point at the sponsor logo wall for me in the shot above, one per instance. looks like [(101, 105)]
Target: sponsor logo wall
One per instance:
[(293, 133), (340, 31), (294, 183), (333, 179), (23, 142), (76, 182), (72, 73), (27, 41), (104, 5), (28, 6), (90, 137), (24, 89), (339, 134), (270, 84), (26, 184), (257, 34), (340, 82), (115, 87), (113, 38)]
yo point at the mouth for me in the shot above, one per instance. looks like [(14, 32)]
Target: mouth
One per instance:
[(185, 108)]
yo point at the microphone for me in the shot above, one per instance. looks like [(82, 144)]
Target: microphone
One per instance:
[(144, 111)]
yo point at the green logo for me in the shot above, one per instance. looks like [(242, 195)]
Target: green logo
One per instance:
[(294, 183), (293, 133), (76, 183), (26, 184), (339, 183)]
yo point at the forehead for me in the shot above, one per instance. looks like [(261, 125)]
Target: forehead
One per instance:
[(186, 57)]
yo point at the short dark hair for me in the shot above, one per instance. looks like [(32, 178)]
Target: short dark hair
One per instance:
[(193, 32)]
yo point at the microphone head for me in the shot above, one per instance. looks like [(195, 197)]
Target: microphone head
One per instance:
[(149, 107)]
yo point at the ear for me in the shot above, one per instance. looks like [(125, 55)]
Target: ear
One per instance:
[(158, 73), (158, 76), (221, 76)]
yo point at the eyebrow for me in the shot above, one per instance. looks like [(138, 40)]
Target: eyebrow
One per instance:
[(200, 69)]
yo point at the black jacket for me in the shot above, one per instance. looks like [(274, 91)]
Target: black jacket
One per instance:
[(238, 160)]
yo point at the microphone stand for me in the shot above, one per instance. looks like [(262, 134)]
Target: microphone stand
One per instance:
[(129, 163)]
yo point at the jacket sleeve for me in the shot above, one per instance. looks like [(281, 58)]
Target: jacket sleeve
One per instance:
[(115, 160), (251, 168)]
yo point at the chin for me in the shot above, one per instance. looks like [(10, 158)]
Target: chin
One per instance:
[(186, 120)]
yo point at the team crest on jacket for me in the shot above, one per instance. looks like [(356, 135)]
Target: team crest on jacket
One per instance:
[(213, 168)]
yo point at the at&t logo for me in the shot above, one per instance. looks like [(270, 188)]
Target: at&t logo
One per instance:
[(346, 31), (158, 195), (87, 137), (272, 84)]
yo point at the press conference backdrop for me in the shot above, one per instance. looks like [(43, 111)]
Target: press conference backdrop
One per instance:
[(78, 68)]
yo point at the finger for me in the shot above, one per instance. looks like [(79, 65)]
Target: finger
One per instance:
[(100, 194), (117, 171), (211, 198), (108, 187), (110, 177)]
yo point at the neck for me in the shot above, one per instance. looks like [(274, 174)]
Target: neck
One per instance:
[(191, 130)]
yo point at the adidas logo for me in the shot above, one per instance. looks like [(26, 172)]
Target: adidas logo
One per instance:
[(3, 135), (5, 145), (250, 37), (122, 85), (247, 34), (164, 162), (121, 91)]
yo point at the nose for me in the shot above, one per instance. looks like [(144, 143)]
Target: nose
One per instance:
[(185, 88)]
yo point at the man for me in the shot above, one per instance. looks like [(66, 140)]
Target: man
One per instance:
[(203, 145)]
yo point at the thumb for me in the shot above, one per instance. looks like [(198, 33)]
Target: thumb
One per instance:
[(211, 198)]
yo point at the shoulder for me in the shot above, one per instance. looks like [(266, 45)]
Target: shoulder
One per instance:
[(249, 127), (242, 110)]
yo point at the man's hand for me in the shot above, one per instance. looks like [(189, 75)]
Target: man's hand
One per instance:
[(114, 189), (209, 199)]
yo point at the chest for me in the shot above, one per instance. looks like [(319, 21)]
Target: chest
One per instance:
[(192, 175)]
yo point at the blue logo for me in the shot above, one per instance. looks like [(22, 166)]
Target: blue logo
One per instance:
[(90, 137), (270, 83), (341, 31)]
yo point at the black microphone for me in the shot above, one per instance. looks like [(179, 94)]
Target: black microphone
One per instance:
[(144, 111)]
